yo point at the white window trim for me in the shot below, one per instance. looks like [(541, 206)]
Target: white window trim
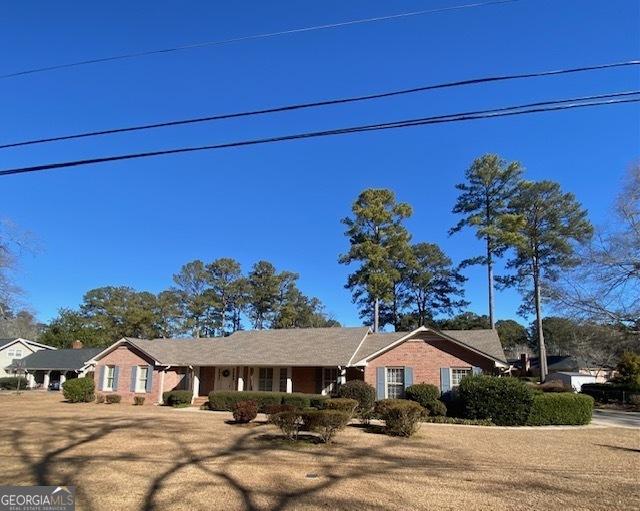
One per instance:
[(106, 377), (469, 371), (140, 388), (386, 381)]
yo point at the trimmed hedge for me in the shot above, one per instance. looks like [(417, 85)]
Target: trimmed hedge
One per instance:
[(505, 401), (177, 398), (342, 404), (11, 383), (327, 422), (610, 392), (79, 390), (562, 408), (225, 399), (401, 416), (363, 393), (112, 399), (422, 393)]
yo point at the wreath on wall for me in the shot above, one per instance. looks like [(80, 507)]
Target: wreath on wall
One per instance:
[(226, 373)]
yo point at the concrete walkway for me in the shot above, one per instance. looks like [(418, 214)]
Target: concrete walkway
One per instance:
[(616, 418)]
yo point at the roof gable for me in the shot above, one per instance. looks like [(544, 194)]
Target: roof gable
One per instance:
[(483, 342)]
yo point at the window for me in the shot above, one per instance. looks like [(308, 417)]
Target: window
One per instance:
[(143, 376), (457, 374), (329, 379), (109, 372), (395, 382), (283, 379), (14, 353), (265, 379)]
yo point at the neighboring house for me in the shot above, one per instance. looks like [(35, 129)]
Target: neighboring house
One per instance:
[(562, 363), (313, 360), (45, 367), (573, 380), (15, 349)]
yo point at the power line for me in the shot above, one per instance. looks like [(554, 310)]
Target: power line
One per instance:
[(316, 104), (253, 37), (549, 106)]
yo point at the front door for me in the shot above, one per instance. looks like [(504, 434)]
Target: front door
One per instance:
[(225, 378), (207, 379)]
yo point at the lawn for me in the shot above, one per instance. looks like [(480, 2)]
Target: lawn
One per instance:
[(132, 458)]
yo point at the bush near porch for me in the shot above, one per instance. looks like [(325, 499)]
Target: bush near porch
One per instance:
[(225, 400), (79, 390), (11, 383)]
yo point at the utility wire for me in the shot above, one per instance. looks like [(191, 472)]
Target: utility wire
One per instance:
[(549, 106), (316, 104), (253, 37)]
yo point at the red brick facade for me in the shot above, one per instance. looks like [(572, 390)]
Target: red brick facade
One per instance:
[(426, 353), (125, 357)]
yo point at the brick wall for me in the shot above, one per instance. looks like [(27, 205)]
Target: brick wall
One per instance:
[(125, 357), (426, 354)]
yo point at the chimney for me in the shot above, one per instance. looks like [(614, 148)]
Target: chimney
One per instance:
[(525, 364), (77, 345)]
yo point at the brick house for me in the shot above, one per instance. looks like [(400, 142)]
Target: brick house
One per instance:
[(313, 360)]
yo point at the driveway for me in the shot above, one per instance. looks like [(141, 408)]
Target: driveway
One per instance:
[(616, 418)]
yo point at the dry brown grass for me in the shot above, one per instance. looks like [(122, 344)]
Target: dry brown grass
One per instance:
[(124, 457)]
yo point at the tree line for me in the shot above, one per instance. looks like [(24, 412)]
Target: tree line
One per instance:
[(206, 300), (542, 233)]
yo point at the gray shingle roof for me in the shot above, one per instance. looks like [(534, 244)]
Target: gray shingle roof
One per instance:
[(290, 347), (485, 341), (296, 347), (60, 359)]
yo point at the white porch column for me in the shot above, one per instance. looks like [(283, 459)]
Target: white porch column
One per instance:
[(289, 381), (161, 391), (63, 378), (196, 383), (45, 381), (240, 379), (31, 381), (342, 375)]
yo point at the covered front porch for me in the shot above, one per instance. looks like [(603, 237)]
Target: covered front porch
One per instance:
[(305, 379)]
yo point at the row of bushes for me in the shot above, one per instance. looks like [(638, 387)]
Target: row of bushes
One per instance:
[(13, 383), (511, 402), (612, 392), (225, 400)]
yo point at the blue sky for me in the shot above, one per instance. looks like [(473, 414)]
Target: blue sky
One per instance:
[(135, 223)]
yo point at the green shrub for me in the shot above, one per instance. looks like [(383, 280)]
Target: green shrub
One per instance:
[(79, 390), (138, 400), (610, 392), (300, 400), (456, 420), (363, 393), (177, 398), (112, 399), (327, 422), (288, 422), (402, 417), (245, 411), (422, 393), (12, 382), (435, 408), (272, 409), (317, 400), (560, 408), (341, 404), (505, 401), (225, 399), (99, 398)]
